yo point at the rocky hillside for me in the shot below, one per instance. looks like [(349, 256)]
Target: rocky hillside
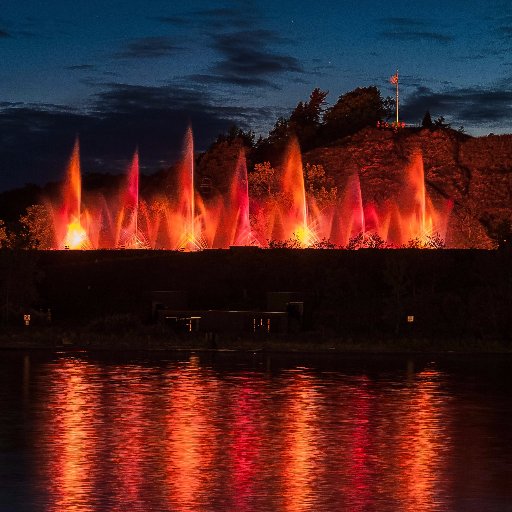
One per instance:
[(474, 172)]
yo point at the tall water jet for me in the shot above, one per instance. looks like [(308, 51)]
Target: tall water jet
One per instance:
[(293, 212), (69, 231), (127, 230), (239, 204), (416, 179), (351, 221), (417, 218), (181, 212)]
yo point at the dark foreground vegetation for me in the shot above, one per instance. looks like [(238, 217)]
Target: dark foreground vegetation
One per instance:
[(460, 299)]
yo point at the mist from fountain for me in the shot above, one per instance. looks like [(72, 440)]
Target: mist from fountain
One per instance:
[(180, 219), (69, 232)]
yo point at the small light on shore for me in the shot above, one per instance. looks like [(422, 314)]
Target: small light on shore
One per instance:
[(410, 319)]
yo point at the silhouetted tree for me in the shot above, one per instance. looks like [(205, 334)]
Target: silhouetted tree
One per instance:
[(427, 120), (234, 133), (304, 123), (319, 185), (366, 241), (3, 234), (36, 228), (434, 241), (280, 133), (262, 180), (306, 118), (440, 123), (389, 107), (353, 111)]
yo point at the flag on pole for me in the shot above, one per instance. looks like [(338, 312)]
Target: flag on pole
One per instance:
[(394, 79)]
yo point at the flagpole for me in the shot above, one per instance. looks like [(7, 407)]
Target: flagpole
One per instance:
[(397, 98)]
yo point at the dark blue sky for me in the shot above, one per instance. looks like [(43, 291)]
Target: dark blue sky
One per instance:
[(125, 72)]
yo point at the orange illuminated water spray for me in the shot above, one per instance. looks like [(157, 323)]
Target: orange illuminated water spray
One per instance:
[(75, 236), (294, 190), (187, 176), (422, 222), (240, 203), (128, 235), (186, 198)]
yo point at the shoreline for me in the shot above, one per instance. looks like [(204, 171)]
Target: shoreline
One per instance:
[(63, 340)]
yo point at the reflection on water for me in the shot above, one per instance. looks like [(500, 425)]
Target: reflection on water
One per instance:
[(71, 426), (189, 436), (191, 441), (300, 453)]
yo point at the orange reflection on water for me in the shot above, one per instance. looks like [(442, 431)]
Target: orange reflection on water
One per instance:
[(426, 440), (71, 437), (191, 437), (300, 454), (246, 455), (415, 452), (358, 450), (132, 428)]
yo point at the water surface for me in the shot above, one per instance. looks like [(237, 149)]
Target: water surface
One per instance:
[(219, 432)]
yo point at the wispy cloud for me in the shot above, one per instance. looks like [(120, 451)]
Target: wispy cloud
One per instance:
[(416, 35), (249, 55), (475, 106), (412, 29), (81, 67), (149, 48), (249, 59)]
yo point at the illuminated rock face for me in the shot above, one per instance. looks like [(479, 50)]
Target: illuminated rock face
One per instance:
[(469, 175), (406, 209)]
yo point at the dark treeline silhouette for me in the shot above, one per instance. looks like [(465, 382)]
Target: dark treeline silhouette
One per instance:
[(316, 125), (453, 295)]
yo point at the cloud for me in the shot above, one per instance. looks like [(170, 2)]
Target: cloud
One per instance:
[(149, 48), (474, 107), (36, 140), (416, 35), (249, 56), (412, 29), (81, 67), (4, 33), (247, 59), (243, 81)]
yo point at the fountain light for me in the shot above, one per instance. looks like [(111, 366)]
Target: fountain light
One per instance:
[(76, 237), (180, 219)]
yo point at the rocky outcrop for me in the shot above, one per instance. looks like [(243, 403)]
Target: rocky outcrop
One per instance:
[(475, 173)]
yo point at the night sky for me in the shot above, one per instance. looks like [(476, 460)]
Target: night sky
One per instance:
[(130, 72)]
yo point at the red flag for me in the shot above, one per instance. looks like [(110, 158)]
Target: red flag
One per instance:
[(394, 79)]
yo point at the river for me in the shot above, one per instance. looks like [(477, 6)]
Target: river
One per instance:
[(87, 432)]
